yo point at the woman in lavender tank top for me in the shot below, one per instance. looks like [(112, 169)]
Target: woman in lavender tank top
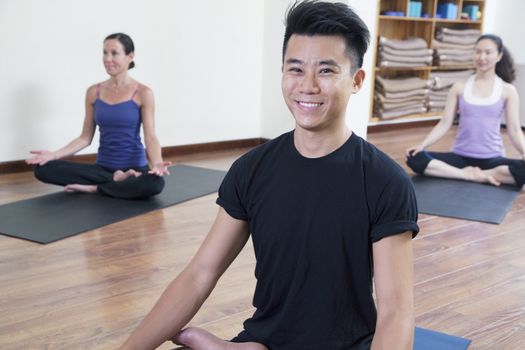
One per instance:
[(118, 106), (482, 100)]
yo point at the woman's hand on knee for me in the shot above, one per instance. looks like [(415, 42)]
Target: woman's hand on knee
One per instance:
[(412, 151)]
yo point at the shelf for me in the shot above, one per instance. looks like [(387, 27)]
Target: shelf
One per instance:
[(444, 20), (405, 18), (422, 68), (403, 27), (468, 66), (430, 19), (405, 119)]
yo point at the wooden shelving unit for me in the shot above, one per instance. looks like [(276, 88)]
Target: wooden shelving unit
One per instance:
[(403, 27)]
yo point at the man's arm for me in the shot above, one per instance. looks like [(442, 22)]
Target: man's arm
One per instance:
[(185, 295), (394, 279)]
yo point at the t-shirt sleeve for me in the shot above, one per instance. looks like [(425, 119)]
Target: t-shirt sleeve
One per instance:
[(231, 193), (395, 210)]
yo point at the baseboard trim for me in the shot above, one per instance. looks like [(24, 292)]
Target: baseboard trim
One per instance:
[(400, 126), (183, 150), (18, 166)]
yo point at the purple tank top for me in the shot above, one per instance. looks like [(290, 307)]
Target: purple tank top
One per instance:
[(120, 144), (479, 133)]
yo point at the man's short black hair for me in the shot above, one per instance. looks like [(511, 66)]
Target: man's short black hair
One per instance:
[(312, 17)]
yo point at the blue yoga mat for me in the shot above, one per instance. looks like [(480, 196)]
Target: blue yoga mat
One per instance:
[(426, 339)]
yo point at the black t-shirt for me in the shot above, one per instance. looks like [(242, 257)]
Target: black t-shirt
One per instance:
[(313, 222)]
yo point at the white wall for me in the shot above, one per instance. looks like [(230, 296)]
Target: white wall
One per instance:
[(359, 107), (214, 66), (504, 18), (202, 59), (275, 118)]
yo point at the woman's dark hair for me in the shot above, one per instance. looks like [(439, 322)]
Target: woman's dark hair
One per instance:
[(505, 67), (312, 17), (126, 41)]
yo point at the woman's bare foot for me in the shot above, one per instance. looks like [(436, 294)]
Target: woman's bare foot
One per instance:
[(477, 175), (120, 175), (199, 339), (81, 188)]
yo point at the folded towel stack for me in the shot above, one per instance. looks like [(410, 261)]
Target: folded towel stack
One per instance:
[(400, 96), (441, 84), (454, 47), (413, 52)]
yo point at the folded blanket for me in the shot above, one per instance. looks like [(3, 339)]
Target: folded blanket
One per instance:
[(437, 98), (440, 44), (387, 107), (458, 58), (385, 100), (452, 74), (411, 93), (446, 79), (438, 94), (436, 105), (400, 113), (457, 39), (461, 64), (402, 108), (446, 51), (440, 83), (385, 63), (435, 109), (460, 31), (444, 89), (408, 44), (414, 52), (440, 99), (421, 59), (403, 84)]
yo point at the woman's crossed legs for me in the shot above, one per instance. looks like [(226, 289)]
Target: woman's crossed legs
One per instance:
[(495, 171)]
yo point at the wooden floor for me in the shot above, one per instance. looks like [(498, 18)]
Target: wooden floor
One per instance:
[(89, 291)]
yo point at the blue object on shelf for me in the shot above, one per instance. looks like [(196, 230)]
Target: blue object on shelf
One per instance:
[(448, 10), (472, 11), (415, 8), (394, 13)]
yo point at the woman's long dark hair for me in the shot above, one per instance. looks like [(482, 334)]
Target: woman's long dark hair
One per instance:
[(505, 67)]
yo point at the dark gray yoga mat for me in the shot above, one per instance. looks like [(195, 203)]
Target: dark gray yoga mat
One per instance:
[(59, 215), (463, 200)]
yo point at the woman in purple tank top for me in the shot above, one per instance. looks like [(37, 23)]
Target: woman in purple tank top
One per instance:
[(478, 154), (118, 106)]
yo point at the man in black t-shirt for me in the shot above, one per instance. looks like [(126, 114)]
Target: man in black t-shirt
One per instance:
[(329, 215)]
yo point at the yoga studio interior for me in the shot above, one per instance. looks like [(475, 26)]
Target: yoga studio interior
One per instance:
[(82, 270)]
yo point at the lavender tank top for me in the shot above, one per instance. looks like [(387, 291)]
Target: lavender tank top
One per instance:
[(479, 133), (120, 143)]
